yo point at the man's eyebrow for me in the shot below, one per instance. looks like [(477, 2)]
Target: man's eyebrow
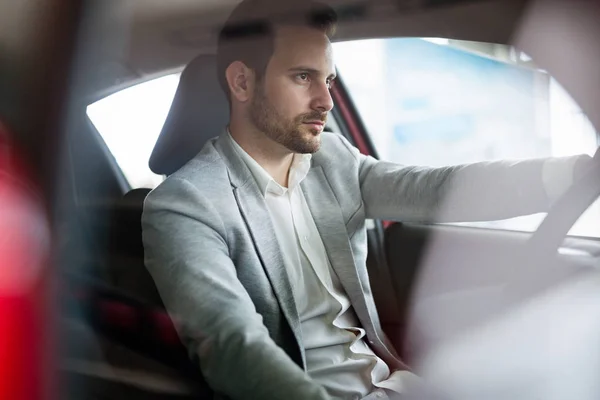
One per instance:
[(311, 71)]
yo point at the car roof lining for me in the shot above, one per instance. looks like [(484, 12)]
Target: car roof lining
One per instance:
[(135, 40)]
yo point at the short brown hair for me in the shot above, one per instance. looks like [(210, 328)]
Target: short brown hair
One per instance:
[(249, 33)]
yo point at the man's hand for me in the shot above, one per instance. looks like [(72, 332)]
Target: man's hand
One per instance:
[(584, 165)]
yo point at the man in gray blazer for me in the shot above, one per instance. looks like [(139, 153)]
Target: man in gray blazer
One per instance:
[(258, 245)]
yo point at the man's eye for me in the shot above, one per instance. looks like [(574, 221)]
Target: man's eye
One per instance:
[(303, 76)]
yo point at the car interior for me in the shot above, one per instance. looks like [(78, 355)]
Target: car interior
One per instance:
[(118, 340)]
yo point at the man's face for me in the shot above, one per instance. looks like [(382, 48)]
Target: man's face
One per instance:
[(292, 99)]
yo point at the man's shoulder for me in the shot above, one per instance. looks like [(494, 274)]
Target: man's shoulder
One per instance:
[(206, 172), (332, 140), (335, 151), (204, 167)]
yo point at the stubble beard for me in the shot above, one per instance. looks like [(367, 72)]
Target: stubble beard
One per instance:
[(292, 134)]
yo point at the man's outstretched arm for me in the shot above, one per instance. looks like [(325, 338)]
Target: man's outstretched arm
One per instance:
[(484, 191), (187, 256)]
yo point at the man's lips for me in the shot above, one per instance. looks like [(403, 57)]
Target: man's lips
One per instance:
[(319, 125)]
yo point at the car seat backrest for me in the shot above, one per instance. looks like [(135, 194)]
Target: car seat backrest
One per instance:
[(199, 111)]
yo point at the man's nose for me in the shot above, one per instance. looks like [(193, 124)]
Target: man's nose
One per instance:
[(322, 100)]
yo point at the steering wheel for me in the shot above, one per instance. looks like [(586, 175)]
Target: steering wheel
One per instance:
[(541, 250), (566, 211)]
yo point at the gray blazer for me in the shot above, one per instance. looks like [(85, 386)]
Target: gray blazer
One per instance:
[(212, 251)]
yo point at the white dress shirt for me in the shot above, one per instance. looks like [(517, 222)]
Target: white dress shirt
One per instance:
[(337, 355)]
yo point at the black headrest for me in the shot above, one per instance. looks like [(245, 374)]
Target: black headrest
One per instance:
[(200, 111)]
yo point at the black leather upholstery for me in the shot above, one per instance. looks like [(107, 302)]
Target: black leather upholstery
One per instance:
[(200, 111)]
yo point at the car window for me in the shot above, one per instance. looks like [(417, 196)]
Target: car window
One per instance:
[(130, 121), (441, 102)]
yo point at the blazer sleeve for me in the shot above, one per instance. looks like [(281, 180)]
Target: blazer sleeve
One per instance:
[(187, 256), (484, 191)]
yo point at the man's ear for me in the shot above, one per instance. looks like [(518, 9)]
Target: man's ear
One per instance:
[(240, 80)]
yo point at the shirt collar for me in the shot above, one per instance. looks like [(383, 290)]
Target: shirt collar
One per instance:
[(298, 171)]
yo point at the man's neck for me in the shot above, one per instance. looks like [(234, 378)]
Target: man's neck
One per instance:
[(272, 156)]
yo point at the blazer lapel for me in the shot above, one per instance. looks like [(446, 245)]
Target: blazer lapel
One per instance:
[(328, 217), (254, 211)]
